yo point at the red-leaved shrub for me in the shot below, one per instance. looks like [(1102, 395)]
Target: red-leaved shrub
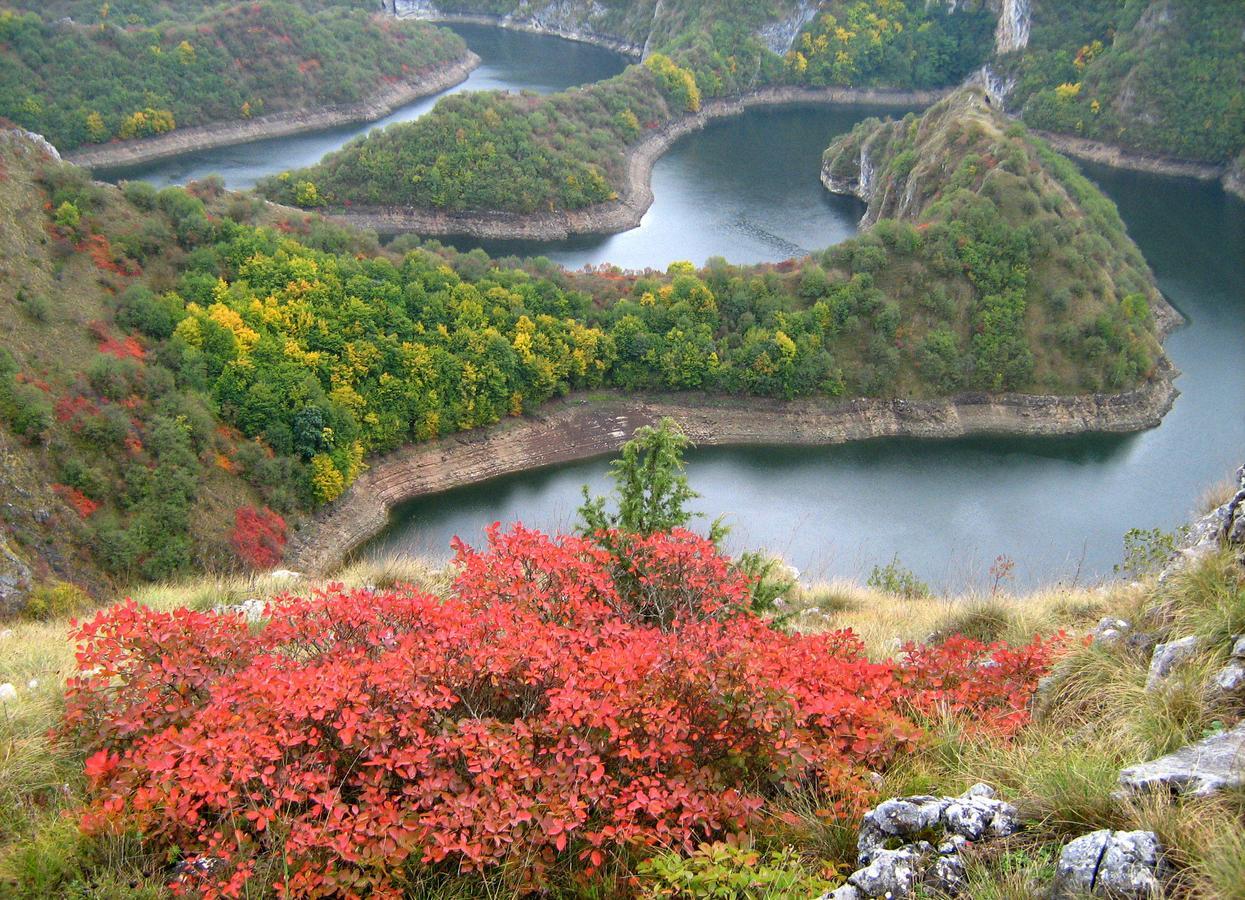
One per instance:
[(258, 537), (563, 704)]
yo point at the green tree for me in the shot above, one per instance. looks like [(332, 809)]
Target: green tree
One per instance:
[(651, 490)]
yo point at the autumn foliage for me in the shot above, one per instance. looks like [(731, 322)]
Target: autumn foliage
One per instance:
[(564, 705), (258, 537)]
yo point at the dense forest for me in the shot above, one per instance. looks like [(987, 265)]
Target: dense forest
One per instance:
[(228, 356), (524, 154), (1159, 77), (79, 83)]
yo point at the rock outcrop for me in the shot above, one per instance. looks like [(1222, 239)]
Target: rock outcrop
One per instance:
[(1012, 32), (1214, 764), (1168, 657), (15, 581), (929, 833), (585, 21), (1223, 525), (1125, 865)]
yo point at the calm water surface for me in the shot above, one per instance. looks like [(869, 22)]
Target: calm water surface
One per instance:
[(747, 190), (509, 60), (1057, 507)]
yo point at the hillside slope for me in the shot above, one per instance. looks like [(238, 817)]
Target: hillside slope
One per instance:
[(1162, 77), (520, 154)]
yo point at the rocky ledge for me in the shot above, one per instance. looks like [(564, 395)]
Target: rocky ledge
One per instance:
[(553, 20), (581, 427), (1121, 158), (636, 196), (224, 134)]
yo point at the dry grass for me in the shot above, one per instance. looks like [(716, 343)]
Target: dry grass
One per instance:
[(1216, 495), (885, 621)]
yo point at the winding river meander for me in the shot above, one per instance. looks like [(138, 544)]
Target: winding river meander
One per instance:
[(747, 189)]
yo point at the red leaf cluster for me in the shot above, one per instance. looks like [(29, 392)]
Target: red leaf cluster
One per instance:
[(258, 537), (83, 505), (563, 703)]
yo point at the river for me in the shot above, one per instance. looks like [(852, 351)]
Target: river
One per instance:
[(747, 189)]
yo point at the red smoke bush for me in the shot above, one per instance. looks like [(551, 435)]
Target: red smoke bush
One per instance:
[(258, 537), (563, 704)]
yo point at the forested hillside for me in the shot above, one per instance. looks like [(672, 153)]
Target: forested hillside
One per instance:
[(78, 83), (1166, 76)]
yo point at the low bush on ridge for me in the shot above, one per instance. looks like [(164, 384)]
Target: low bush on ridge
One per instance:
[(572, 703)]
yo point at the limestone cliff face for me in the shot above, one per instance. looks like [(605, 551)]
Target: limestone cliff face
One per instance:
[(588, 21), (779, 36), (635, 28), (1234, 179), (1012, 33)]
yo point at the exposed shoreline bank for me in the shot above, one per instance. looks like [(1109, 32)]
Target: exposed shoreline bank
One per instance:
[(636, 195), (585, 426), (1135, 161), (606, 41), (225, 134)]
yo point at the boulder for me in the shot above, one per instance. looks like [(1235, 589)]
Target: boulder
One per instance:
[(1120, 864), (980, 818), (1110, 631), (900, 819), (891, 873), (895, 846), (1230, 680), (1169, 656), (1214, 764), (15, 581)]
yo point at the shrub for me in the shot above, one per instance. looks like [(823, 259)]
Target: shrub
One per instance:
[(56, 600), (26, 409), (532, 716), (893, 578), (258, 537), (723, 870)]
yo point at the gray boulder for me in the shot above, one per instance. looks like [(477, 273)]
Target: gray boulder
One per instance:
[(1230, 680), (1120, 864), (1170, 656), (1110, 631), (979, 818), (891, 873), (844, 892), (15, 581), (900, 820), (1198, 770), (946, 875)]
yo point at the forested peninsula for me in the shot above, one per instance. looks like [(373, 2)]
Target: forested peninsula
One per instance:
[(257, 357), (245, 70)]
